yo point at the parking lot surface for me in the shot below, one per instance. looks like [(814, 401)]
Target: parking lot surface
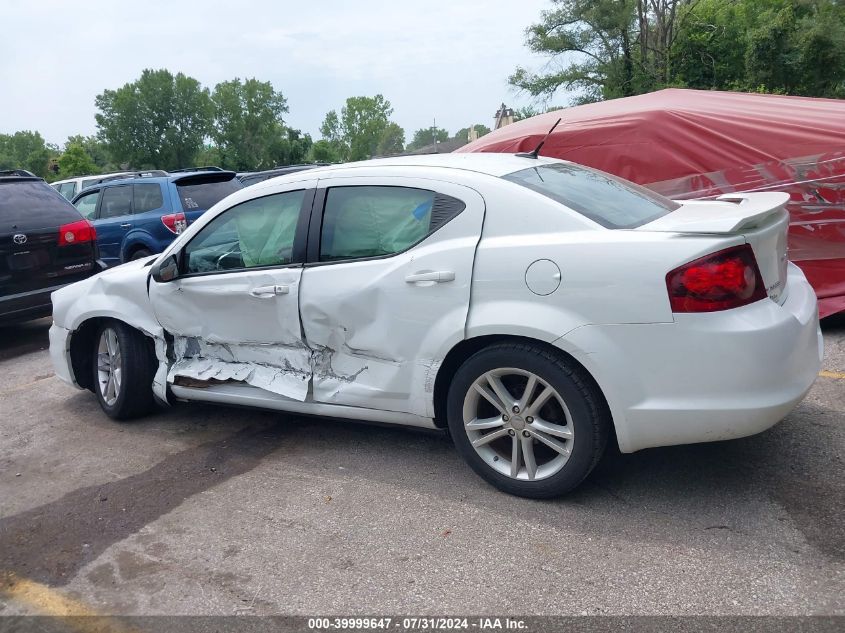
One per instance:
[(222, 511)]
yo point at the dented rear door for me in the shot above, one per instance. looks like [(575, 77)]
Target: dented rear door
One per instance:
[(233, 311), (386, 289)]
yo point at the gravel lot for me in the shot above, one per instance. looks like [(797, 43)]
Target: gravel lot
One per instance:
[(203, 510)]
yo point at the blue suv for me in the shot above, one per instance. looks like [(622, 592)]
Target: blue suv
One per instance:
[(140, 216)]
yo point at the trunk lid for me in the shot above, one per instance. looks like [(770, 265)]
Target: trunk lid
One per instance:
[(760, 218)]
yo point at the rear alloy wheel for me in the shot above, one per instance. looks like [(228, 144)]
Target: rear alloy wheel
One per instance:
[(527, 421), (124, 366)]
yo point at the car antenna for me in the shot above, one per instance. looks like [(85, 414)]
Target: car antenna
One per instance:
[(536, 152)]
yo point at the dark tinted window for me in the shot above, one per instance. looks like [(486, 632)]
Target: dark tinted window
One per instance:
[(374, 221), (612, 202), (117, 201), (204, 193), (258, 232), (33, 204), (147, 197)]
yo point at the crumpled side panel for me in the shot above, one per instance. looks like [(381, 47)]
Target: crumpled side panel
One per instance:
[(280, 369)]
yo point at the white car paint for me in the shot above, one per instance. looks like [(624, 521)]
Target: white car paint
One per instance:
[(363, 340)]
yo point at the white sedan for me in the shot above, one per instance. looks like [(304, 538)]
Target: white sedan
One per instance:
[(534, 307)]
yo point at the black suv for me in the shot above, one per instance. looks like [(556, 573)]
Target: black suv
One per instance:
[(44, 244)]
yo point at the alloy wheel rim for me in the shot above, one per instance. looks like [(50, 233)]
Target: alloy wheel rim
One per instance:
[(109, 366), (518, 424)]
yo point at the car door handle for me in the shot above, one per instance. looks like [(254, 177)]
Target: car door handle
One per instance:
[(126, 226), (438, 276), (264, 292)]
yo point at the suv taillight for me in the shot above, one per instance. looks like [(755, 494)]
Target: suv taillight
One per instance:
[(721, 281), (175, 222), (81, 231)]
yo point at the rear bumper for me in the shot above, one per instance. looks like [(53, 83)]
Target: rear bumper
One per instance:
[(705, 377)]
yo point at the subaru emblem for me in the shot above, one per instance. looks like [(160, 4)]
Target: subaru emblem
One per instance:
[(19, 238)]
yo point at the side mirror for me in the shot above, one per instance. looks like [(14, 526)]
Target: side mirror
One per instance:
[(166, 270)]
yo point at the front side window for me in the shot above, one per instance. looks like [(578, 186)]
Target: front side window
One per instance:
[(147, 197), (87, 204), (610, 201), (117, 201), (258, 232), (373, 221)]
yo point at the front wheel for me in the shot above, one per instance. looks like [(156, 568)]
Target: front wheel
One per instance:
[(527, 420), (124, 366)]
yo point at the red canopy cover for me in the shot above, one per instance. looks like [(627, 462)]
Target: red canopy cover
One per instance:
[(700, 144)]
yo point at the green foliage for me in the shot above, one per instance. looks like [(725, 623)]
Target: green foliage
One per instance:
[(355, 134), (75, 161), (158, 121), (97, 150), (323, 151), (605, 49), (480, 129), (392, 140), (25, 150), (248, 130), (292, 149), (427, 136), (782, 46)]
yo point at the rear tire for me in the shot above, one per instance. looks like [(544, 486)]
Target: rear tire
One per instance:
[(527, 420), (140, 254), (124, 365)]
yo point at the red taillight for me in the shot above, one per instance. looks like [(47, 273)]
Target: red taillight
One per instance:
[(175, 222), (723, 280), (81, 231)]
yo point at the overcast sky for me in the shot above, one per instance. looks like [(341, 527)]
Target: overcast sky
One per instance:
[(430, 58)]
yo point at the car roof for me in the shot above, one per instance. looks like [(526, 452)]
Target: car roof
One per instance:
[(493, 164)]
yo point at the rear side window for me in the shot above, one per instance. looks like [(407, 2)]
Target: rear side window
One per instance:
[(147, 197), (68, 190), (87, 204), (373, 221), (610, 201), (204, 193), (117, 201), (33, 204)]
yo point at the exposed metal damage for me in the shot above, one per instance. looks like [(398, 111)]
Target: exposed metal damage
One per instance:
[(280, 369)]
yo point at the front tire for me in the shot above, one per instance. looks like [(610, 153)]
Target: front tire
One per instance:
[(124, 366), (527, 420)]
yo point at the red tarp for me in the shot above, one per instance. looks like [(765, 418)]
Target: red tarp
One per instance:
[(700, 144)]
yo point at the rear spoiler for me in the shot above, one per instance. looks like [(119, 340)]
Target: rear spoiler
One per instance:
[(729, 213), (204, 176)]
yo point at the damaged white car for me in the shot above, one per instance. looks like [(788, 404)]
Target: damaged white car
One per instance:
[(534, 307)]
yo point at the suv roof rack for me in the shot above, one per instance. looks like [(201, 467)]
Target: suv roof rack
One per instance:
[(150, 173), (19, 173), (184, 170)]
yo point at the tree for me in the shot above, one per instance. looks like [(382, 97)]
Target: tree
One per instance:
[(292, 149), (324, 152), (786, 46), (392, 140), (25, 150), (355, 134), (158, 121), (463, 133), (605, 49), (248, 125), (96, 149), (427, 136), (75, 161)]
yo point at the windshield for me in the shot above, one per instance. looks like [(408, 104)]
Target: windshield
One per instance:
[(204, 193), (612, 202)]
